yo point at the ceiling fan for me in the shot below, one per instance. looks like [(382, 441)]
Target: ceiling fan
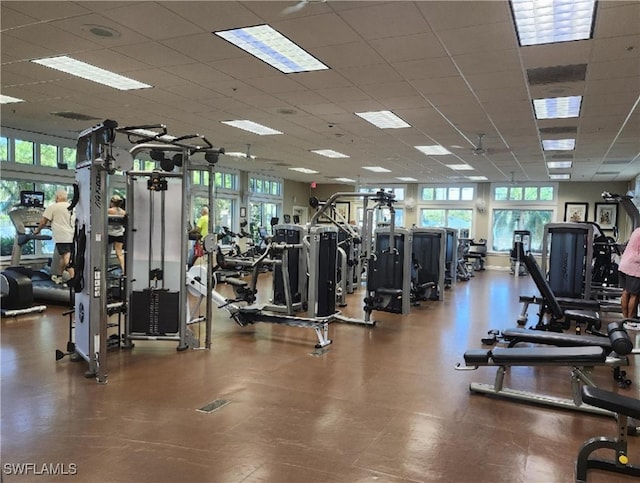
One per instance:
[(479, 149), (299, 6)]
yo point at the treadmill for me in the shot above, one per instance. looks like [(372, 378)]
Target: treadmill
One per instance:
[(25, 217)]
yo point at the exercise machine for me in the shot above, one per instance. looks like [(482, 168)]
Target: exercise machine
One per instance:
[(289, 280), (521, 246), (156, 266), (389, 271), (623, 407), (429, 254), (567, 251), (25, 217)]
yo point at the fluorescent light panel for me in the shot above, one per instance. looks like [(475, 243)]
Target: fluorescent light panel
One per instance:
[(345, 180), (304, 170), (434, 150), (559, 164), (558, 144), (459, 167), (253, 127), (377, 169), (408, 179), (272, 47), (477, 178), (548, 21), (383, 119), (560, 176), (90, 72), (329, 153), (9, 100), (557, 107)]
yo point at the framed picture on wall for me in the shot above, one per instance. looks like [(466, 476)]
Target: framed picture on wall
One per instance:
[(344, 210), (576, 212), (606, 215)]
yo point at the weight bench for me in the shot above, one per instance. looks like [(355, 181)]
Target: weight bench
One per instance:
[(582, 360), (561, 318), (617, 339), (623, 407)]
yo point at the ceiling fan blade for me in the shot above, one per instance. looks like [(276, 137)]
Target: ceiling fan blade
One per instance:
[(294, 8)]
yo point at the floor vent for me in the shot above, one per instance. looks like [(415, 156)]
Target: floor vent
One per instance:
[(213, 406)]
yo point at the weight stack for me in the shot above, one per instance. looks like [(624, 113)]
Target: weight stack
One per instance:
[(155, 312)]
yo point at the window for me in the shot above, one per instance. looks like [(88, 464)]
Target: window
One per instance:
[(49, 155), (384, 216), (521, 207), (4, 149), (523, 193), (505, 222), (24, 151), (449, 218), (226, 180), (69, 157), (261, 214), (144, 165), (447, 193), (269, 187)]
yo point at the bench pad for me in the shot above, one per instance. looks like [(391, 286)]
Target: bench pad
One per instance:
[(556, 338), (611, 401), (548, 355)]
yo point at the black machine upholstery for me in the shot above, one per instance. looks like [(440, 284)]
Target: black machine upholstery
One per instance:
[(624, 407), (560, 319), (527, 356)]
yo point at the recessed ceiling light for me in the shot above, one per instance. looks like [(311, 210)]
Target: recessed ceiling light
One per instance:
[(345, 180), (9, 100), (459, 167), (560, 176), (272, 47), (477, 178), (544, 21), (557, 107), (253, 127), (558, 144), (434, 150), (90, 72), (408, 179), (329, 153), (304, 170), (559, 164), (377, 169), (383, 119)]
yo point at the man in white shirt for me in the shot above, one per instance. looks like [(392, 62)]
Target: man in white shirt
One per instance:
[(62, 229)]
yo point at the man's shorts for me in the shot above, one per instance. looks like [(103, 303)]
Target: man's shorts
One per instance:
[(64, 248), (629, 283), (116, 238)]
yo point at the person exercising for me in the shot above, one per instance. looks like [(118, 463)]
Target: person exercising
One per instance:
[(116, 232), (62, 229), (629, 276), (198, 232)]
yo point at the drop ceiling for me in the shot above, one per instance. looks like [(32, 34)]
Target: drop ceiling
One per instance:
[(453, 70)]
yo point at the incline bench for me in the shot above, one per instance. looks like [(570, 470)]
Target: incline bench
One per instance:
[(582, 311)]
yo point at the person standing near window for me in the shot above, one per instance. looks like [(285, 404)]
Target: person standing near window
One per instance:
[(629, 276), (62, 229)]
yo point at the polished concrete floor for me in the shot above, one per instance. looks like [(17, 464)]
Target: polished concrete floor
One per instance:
[(381, 404)]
